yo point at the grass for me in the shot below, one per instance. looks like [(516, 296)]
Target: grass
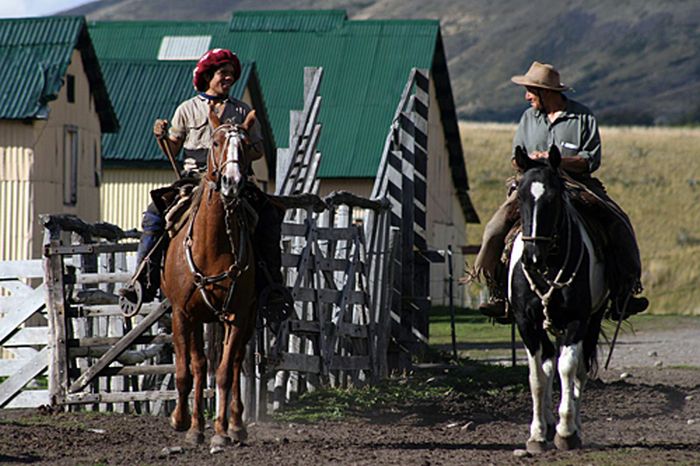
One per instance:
[(395, 393), (653, 173)]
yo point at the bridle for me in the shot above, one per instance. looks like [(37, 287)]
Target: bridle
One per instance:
[(236, 209), (559, 282)]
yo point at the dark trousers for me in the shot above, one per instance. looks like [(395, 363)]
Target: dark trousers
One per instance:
[(266, 241)]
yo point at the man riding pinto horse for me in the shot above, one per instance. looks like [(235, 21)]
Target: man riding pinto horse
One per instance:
[(191, 129), (554, 119)]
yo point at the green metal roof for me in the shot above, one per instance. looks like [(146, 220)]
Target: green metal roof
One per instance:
[(34, 57), (144, 90), (366, 65)]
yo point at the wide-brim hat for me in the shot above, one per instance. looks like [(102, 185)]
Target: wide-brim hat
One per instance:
[(214, 59), (541, 75)]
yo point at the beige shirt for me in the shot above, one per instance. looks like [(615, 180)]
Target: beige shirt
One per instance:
[(191, 122)]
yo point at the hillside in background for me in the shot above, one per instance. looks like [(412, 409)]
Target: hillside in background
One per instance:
[(632, 62), (662, 199)]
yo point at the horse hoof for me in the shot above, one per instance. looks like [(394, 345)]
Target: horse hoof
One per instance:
[(239, 435), (219, 441), (567, 443), (535, 447), (194, 437), (179, 426), (551, 432)]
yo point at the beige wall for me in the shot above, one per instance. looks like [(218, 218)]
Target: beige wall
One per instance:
[(446, 222), (33, 154), (126, 193)]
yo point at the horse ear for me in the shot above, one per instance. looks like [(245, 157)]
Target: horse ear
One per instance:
[(214, 118), (249, 120), (521, 159), (554, 157)]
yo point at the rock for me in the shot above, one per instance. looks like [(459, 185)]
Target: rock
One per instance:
[(431, 380), (608, 419), (521, 453), (689, 398), (471, 425), (691, 422), (167, 451), (625, 375), (658, 364), (97, 431), (452, 424), (216, 449), (652, 354)]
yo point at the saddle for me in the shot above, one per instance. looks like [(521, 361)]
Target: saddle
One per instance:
[(176, 202), (585, 204)]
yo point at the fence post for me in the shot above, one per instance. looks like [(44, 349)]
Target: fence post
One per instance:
[(56, 313)]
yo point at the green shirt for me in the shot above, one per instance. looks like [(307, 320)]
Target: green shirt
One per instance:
[(575, 132)]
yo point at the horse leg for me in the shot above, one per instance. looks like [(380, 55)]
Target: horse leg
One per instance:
[(549, 367), (199, 369), (579, 384), (180, 419), (236, 429), (567, 437), (224, 377), (538, 388)]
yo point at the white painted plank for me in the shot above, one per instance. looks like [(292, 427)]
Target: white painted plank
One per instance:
[(35, 366)]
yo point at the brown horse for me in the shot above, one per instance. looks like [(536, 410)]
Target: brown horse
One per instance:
[(209, 276)]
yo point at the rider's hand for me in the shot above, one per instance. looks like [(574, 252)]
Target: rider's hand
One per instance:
[(537, 155), (190, 164), (160, 129)]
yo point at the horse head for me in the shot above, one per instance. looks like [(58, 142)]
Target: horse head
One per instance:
[(540, 194), (228, 164)]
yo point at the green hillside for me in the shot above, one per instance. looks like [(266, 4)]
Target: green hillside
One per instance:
[(654, 174)]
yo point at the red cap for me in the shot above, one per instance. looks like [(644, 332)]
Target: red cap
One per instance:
[(214, 58)]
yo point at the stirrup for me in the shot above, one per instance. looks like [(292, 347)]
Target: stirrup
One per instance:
[(276, 303), (131, 299)]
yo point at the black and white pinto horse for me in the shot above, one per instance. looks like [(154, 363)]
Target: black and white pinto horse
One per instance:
[(556, 286)]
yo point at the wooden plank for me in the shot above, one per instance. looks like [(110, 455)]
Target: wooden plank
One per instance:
[(125, 397), (297, 362), (13, 318), (29, 336), (110, 341), (99, 278), (329, 296), (323, 264), (32, 368), (21, 269), (337, 234), (92, 248), (118, 348), (29, 399), (108, 310), (346, 330), (146, 369)]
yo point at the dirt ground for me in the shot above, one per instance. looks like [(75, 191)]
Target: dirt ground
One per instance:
[(650, 415)]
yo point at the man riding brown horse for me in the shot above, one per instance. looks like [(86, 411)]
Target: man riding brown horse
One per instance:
[(191, 130), (555, 119)]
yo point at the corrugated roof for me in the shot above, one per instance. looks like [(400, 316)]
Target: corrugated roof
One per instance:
[(366, 65), (287, 20), (150, 89), (34, 56)]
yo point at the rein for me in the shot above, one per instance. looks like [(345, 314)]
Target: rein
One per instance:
[(558, 283), (241, 258)]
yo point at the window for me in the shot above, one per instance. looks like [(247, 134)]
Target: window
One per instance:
[(70, 165), (70, 88), (183, 47)]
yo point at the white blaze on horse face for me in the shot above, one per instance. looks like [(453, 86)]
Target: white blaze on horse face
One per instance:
[(537, 190), (231, 174)]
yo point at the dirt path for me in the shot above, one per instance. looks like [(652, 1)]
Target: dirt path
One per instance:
[(651, 416)]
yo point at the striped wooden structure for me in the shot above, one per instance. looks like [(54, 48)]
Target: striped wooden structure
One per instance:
[(402, 179)]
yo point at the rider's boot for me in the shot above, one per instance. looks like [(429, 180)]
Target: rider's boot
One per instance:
[(635, 305), (148, 261)]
